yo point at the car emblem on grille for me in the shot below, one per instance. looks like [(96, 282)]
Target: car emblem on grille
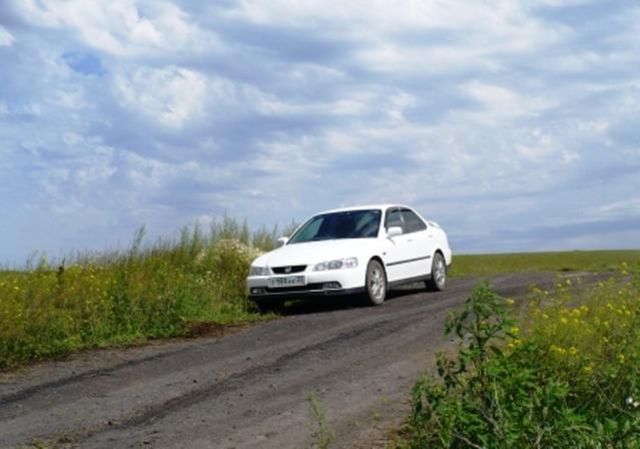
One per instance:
[(287, 270)]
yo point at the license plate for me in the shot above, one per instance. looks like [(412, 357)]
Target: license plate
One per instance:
[(286, 281)]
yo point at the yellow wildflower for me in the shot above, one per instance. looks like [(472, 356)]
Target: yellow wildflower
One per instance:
[(573, 350), (513, 343)]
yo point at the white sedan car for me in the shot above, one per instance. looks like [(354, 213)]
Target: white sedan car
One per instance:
[(360, 250)]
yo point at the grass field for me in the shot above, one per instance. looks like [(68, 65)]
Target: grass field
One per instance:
[(491, 264), (170, 288)]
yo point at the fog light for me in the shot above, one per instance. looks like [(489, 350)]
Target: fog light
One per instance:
[(257, 291), (331, 285)]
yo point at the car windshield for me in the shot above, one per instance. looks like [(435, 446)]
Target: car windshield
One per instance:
[(353, 224)]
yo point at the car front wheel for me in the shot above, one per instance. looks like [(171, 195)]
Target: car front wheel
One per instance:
[(376, 283), (438, 278)]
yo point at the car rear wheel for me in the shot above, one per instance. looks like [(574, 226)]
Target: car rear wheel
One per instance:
[(438, 279), (376, 283)]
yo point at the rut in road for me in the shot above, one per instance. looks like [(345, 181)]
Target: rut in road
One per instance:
[(237, 381), (243, 390)]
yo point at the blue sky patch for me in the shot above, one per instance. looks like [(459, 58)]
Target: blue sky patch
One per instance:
[(84, 63)]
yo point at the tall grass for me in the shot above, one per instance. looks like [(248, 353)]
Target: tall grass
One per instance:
[(147, 291)]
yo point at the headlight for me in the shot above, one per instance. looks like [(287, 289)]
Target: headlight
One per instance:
[(350, 262), (258, 271)]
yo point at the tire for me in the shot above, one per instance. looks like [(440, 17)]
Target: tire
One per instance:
[(375, 283), (438, 280)]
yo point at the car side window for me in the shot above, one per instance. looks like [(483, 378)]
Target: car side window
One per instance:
[(412, 223), (394, 218)]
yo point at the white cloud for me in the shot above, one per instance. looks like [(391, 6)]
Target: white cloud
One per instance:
[(70, 99), (120, 27), (151, 174), (393, 57), (172, 96), (382, 15), (355, 103), (6, 38), (500, 103), (629, 207), (497, 27), (562, 3)]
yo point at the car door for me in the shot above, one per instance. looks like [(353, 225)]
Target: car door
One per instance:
[(398, 251), (420, 243)]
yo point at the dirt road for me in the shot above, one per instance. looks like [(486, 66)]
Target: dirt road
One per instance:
[(245, 390)]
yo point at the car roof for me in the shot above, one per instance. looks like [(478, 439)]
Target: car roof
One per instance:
[(363, 207)]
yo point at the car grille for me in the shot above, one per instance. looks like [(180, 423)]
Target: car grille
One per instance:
[(289, 269)]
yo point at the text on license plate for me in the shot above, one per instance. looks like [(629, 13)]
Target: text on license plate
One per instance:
[(286, 281)]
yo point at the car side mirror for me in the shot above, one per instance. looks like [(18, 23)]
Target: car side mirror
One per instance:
[(282, 240), (394, 231)]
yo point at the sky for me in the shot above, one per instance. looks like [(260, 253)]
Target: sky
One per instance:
[(513, 124)]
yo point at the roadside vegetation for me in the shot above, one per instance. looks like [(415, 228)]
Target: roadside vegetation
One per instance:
[(559, 370), (166, 289)]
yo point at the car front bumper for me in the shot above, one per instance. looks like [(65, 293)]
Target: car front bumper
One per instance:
[(318, 284), (284, 294)]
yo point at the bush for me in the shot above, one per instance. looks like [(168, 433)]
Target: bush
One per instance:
[(568, 378)]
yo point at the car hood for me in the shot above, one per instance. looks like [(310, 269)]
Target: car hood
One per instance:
[(314, 252)]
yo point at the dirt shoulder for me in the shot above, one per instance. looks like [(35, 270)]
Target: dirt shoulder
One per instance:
[(248, 389)]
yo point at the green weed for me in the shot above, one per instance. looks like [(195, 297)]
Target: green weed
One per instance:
[(567, 376), (323, 436)]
